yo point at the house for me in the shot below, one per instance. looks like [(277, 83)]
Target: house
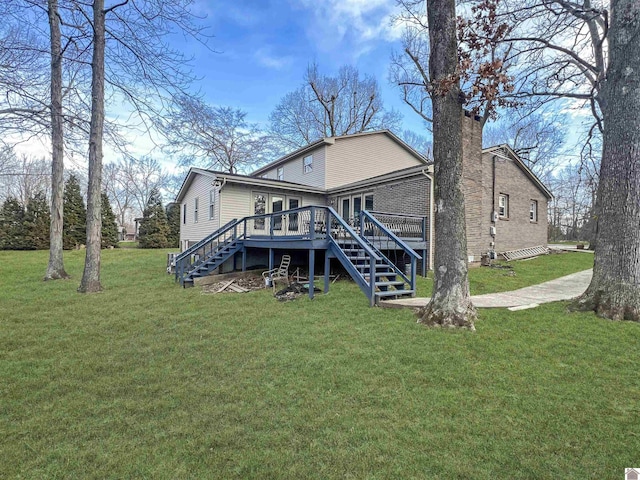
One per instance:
[(368, 196)]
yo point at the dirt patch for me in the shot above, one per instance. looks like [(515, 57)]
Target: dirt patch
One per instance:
[(248, 283)]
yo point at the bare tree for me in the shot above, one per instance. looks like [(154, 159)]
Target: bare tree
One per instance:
[(23, 177), (142, 176), (420, 143), (215, 137), (119, 190), (90, 281), (327, 106), (450, 304), (538, 138), (483, 59), (614, 291)]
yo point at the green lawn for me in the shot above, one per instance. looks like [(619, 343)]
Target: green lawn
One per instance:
[(147, 380), (522, 274)]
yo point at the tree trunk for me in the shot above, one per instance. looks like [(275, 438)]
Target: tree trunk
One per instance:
[(55, 268), (450, 304), (91, 276), (614, 291)]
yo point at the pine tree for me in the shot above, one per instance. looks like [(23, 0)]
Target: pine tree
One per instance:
[(109, 227), (75, 215), (12, 225), (173, 217), (154, 228), (37, 222)]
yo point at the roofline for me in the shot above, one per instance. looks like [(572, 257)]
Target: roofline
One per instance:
[(385, 177), (331, 141), (243, 180), (248, 180), (187, 181), (522, 166), (289, 156)]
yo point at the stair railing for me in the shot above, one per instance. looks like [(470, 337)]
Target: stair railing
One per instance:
[(196, 254), (379, 237), (339, 229)]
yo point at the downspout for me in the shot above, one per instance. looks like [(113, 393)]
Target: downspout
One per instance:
[(224, 182)]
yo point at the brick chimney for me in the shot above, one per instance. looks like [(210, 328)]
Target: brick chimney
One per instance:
[(472, 186)]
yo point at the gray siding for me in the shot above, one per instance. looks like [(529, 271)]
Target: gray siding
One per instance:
[(364, 156), (191, 231), (293, 169)]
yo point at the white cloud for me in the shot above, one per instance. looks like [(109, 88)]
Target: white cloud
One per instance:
[(360, 21), (265, 57)]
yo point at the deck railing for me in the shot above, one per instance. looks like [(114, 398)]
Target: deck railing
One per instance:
[(404, 226), (341, 231), (198, 253), (304, 222), (380, 237)]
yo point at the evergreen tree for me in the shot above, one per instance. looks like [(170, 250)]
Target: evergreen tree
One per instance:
[(12, 233), (173, 217), (109, 227), (37, 222), (154, 227), (75, 215)]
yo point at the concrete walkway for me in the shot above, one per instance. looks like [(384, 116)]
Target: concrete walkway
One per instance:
[(563, 288)]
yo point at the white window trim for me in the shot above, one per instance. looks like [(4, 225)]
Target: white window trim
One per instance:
[(503, 210), (309, 165), (533, 211), (212, 203)]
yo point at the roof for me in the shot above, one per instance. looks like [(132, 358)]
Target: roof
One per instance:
[(331, 141), (518, 161), (385, 177), (243, 180)]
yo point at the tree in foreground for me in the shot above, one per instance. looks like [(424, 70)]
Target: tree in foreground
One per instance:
[(75, 215), (154, 228), (614, 291), (450, 304), (109, 227)]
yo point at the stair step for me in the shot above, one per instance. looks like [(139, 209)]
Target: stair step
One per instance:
[(390, 283), (393, 293)]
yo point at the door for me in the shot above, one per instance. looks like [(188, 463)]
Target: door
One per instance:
[(277, 205), (346, 208), (293, 217)]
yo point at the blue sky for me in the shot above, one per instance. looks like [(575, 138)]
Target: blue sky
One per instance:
[(265, 47)]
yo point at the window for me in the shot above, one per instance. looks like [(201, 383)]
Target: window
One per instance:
[(503, 206), (280, 173), (307, 164), (533, 211), (184, 214), (195, 210), (368, 201), (259, 208), (212, 204)]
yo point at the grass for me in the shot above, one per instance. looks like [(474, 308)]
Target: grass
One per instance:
[(147, 380), (522, 273)]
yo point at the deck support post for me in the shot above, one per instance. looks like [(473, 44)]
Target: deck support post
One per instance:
[(312, 262), (327, 270), (244, 259), (271, 259)]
